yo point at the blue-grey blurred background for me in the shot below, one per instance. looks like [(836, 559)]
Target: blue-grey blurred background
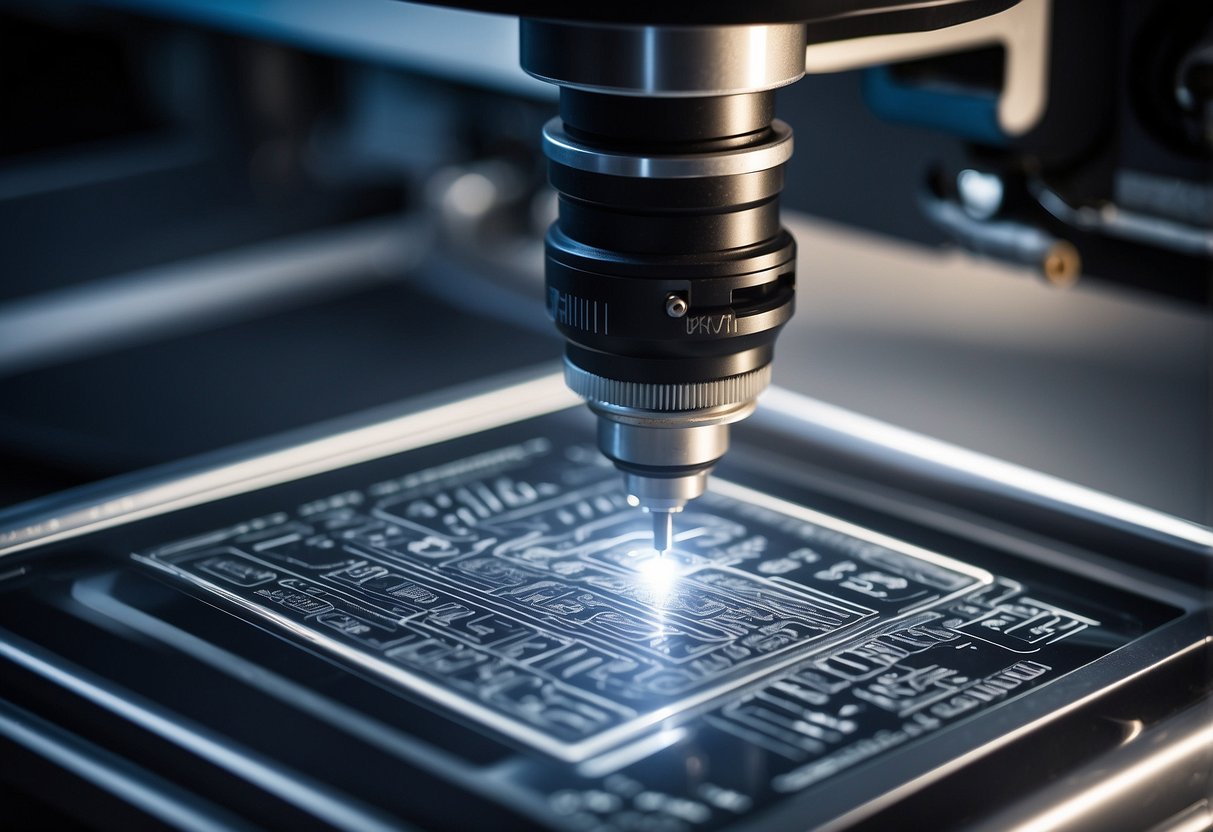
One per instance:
[(222, 220)]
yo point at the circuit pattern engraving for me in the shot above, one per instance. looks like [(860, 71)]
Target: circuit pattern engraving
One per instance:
[(516, 589)]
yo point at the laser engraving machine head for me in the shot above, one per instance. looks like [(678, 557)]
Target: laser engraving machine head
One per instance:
[(668, 271)]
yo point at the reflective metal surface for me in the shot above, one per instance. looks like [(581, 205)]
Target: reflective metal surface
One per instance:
[(156, 492), (466, 615), (518, 589), (563, 149), (663, 60), (665, 456)]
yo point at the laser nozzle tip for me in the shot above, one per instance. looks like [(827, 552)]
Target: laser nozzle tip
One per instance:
[(663, 530)]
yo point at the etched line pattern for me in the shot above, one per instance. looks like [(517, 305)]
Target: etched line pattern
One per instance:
[(516, 589), (578, 313)]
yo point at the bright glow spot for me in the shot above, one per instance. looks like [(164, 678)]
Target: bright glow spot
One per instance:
[(633, 500), (980, 193), (471, 195), (659, 575), (658, 568)]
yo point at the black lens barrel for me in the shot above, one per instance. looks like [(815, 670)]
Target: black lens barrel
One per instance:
[(702, 123), (668, 263)]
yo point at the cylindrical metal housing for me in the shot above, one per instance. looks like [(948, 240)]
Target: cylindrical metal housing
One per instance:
[(688, 217), (668, 271), (692, 61)]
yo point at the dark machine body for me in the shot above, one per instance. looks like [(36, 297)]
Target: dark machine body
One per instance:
[(296, 531), (668, 271)]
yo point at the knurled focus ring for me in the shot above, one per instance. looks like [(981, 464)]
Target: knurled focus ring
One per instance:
[(695, 395)]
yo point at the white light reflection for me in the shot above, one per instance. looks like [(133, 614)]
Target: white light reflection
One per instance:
[(848, 426), (758, 52), (1188, 753), (634, 752), (658, 572), (659, 576)]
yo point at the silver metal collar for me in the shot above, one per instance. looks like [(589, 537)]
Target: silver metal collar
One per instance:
[(560, 148)]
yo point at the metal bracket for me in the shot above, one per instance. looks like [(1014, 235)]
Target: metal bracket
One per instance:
[(1022, 30)]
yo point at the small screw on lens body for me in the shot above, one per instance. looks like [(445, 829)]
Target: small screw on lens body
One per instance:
[(675, 306)]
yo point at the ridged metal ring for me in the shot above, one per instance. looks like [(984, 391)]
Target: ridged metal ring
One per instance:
[(562, 149), (667, 397)]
